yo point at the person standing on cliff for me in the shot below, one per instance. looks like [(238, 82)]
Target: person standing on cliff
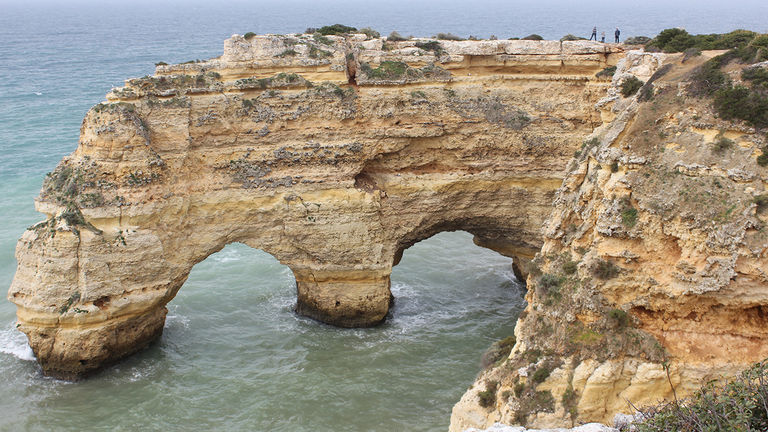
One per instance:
[(602, 37), (594, 34), (617, 33)]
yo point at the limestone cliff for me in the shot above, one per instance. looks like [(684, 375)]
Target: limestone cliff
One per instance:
[(652, 277), (334, 154)]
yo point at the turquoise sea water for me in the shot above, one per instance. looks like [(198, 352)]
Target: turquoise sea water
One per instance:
[(233, 355)]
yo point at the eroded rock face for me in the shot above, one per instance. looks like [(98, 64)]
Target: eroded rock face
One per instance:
[(332, 154), (652, 278)]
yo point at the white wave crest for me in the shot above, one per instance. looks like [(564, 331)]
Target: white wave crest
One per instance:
[(14, 342)]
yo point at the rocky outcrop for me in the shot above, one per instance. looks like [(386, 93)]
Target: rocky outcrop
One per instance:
[(652, 277), (333, 154)]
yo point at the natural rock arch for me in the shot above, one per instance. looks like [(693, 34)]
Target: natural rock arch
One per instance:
[(268, 150)]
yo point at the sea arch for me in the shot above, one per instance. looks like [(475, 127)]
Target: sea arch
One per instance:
[(334, 180)]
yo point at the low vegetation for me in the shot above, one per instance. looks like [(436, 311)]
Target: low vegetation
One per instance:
[(630, 86), (738, 405), (678, 40), (498, 351), (396, 37), (449, 36), (605, 270), (570, 37), (336, 29), (607, 72), (533, 37), (488, 396)]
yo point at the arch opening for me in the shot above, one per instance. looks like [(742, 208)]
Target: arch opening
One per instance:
[(234, 351)]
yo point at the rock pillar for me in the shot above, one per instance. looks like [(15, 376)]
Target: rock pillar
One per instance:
[(343, 298)]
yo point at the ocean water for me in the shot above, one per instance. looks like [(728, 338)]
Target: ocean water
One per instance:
[(233, 356)]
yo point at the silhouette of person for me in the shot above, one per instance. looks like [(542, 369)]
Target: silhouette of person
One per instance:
[(617, 33), (602, 37), (594, 34)]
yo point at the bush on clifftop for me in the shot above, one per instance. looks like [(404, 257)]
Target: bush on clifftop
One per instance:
[(738, 405)]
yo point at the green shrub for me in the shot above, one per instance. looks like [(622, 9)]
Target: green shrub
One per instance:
[(317, 53), (570, 37), (619, 318), (335, 29), (288, 53), (760, 41), (519, 388), (570, 267), (162, 63), (722, 144), (319, 38), (249, 35), (549, 284), (738, 405), (541, 374), (739, 102), (691, 53), (396, 37), (605, 270), (630, 86), (498, 351), (679, 40), (607, 72), (533, 37), (757, 76), (673, 40), (761, 201), (708, 78), (488, 396), (449, 36), (629, 217), (433, 46), (570, 400), (369, 32), (762, 160)]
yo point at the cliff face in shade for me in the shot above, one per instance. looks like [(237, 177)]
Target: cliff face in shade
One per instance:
[(332, 154), (652, 277)]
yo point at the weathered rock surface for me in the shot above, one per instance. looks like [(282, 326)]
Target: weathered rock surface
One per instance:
[(652, 277), (589, 427), (332, 154)]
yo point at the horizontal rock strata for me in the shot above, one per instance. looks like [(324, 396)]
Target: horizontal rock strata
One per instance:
[(333, 154)]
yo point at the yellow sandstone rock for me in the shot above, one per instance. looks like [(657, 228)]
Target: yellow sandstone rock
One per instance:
[(332, 154)]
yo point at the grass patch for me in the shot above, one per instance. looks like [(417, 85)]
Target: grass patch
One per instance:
[(387, 70)]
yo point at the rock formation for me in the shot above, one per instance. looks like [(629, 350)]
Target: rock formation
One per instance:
[(652, 277), (333, 154)]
